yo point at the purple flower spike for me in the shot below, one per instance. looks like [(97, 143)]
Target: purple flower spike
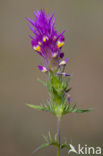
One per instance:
[(47, 42), (43, 69), (64, 62), (64, 74)]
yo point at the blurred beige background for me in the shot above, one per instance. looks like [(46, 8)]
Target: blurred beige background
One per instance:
[(21, 128)]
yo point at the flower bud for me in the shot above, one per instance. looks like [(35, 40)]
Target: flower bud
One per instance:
[(64, 74), (68, 98), (64, 62), (43, 69)]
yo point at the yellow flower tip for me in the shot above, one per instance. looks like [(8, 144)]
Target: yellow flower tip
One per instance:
[(54, 55), (60, 44), (39, 43), (37, 48), (45, 38)]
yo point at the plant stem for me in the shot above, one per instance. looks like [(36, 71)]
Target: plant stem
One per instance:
[(58, 136), (58, 151)]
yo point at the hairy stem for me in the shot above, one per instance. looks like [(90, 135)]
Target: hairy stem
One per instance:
[(58, 136)]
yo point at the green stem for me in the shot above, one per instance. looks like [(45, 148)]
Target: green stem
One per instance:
[(58, 136), (58, 151)]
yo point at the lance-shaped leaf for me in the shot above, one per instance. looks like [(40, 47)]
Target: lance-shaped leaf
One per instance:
[(66, 82), (40, 147), (73, 109), (68, 90), (42, 82), (77, 110), (47, 107), (37, 107), (50, 140), (65, 146)]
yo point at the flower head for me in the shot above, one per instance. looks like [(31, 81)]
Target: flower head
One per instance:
[(46, 41)]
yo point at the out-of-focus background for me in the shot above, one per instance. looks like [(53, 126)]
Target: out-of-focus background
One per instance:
[(21, 128)]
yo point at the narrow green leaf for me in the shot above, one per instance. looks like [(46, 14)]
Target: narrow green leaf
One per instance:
[(46, 138), (65, 146), (50, 138), (40, 147), (42, 82), (55, 137), (68, 90), (47, 107), (83, 110), (36, 107), (72, 109), (75, 110), (68, 80)]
